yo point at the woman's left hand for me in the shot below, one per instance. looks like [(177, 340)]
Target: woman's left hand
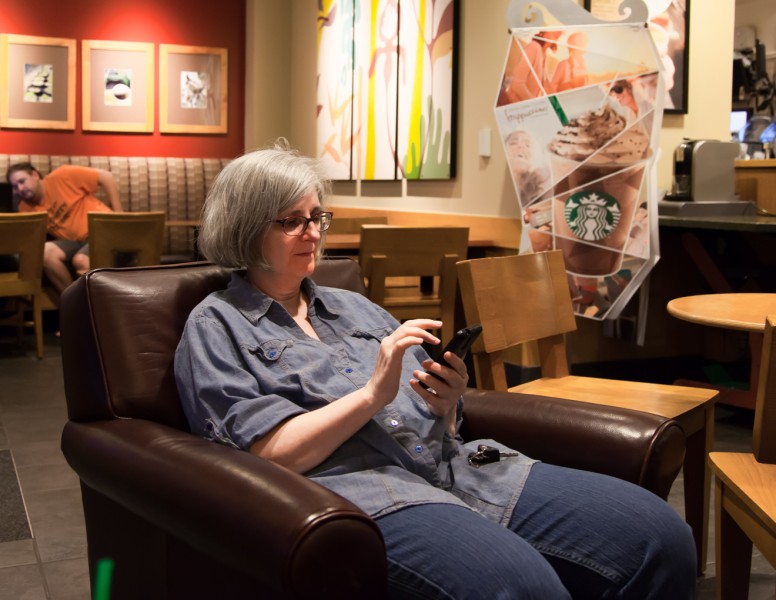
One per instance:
[(444, 394)]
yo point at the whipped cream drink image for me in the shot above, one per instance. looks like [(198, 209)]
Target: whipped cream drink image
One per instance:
[(592, 131), (598, 164)]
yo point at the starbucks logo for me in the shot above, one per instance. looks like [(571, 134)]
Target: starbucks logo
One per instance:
[(592, 216)]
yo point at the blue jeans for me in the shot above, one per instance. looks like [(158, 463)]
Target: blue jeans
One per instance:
[(573, 534)]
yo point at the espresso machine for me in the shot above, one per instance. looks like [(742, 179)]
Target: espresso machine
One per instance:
[(704, 181)]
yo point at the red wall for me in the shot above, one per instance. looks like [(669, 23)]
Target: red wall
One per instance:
[(188, 22)]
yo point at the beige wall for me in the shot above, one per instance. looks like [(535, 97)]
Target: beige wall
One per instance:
[(281, 100), (268, 71)]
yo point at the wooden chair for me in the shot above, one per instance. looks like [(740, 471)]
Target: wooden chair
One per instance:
[(24, 234), (745, 488), (125, 239), (424, 259), (524, 298), (351, 225)]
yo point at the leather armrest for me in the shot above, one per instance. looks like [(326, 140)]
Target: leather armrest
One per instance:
[(640, 447), (235, 507)]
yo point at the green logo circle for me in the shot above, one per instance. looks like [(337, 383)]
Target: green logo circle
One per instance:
[(592, 216)]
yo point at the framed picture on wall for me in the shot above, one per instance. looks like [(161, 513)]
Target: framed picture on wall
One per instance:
[(669, 24), (37, 82), (118, 86), (192, 89)]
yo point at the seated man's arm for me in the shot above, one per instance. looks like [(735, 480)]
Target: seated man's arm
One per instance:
[(111, 187)]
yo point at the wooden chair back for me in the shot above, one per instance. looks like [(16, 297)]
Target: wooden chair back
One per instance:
[(126, 239), (517, 299), (351, 225), (764, 432), (425, 258), (23, 235)]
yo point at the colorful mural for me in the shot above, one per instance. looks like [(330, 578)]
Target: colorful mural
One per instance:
[(386, 78)]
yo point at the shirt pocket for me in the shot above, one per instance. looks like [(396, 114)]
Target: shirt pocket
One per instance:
[(371, 334), (294, 369), (271, 351)]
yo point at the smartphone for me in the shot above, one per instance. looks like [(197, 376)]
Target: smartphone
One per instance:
[(460, 345)]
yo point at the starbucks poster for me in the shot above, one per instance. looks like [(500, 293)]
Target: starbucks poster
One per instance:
[(578, 109)]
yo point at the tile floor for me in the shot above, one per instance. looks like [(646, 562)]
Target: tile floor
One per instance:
[(32, 412), (52, 565)]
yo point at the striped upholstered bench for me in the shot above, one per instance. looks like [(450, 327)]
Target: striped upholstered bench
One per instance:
[(177, 186)]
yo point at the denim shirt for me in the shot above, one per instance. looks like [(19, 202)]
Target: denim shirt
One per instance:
[(243, 366)]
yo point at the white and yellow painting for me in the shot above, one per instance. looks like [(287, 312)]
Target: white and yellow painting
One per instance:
[(385, 89)]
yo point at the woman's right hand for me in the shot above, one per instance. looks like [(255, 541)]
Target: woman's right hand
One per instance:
[(305, 440), (384, 383)]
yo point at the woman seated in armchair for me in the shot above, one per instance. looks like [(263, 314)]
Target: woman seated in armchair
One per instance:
[(327, 384)]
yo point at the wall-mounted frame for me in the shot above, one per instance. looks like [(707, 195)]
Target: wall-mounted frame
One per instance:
[(192, 89), (37, 82), (118, 86), (669, 23)]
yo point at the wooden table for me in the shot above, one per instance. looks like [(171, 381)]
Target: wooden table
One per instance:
[(737, 311), (352, 241), (336, 241), (742, 312)]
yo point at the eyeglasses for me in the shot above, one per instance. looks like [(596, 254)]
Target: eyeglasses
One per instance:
[(298, 225)]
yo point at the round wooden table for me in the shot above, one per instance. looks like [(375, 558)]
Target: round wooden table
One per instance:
[(739, 311), (742, 312)]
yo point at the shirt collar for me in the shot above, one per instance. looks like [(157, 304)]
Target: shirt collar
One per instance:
[(254, 305)]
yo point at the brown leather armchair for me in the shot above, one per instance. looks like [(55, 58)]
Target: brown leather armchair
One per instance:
[(183, 517)]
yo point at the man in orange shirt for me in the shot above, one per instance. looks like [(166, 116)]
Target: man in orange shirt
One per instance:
[(67, 194)]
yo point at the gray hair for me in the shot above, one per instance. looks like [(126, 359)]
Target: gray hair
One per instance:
[(248, 195)]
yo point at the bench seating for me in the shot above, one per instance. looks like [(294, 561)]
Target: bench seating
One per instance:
[(177, 186)]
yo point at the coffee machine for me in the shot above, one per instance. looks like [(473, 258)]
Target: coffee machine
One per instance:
[(704, 180), (680, 186)]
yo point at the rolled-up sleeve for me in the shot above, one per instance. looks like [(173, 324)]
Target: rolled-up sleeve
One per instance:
[(221, 397)]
